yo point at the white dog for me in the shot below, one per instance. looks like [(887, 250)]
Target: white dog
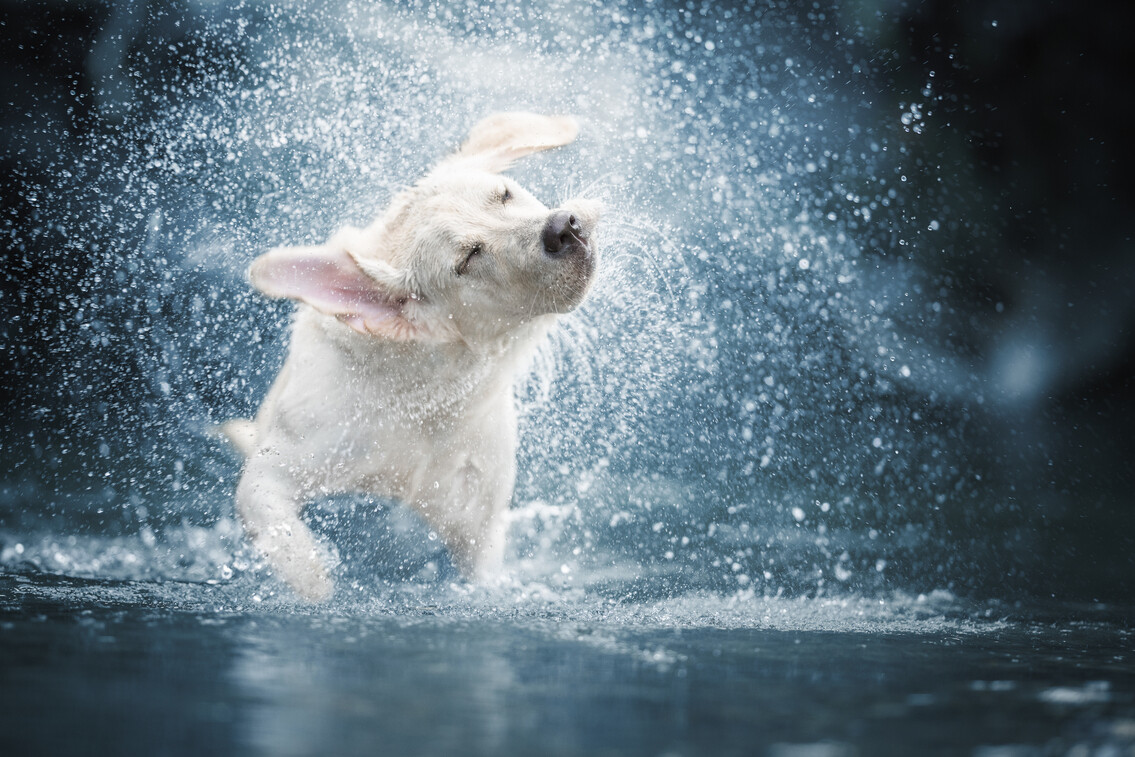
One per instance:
[(411, 333)]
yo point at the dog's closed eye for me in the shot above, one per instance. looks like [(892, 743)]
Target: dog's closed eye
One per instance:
[(506, 195), (471, 252)]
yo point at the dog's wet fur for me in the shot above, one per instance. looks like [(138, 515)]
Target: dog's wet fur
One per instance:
[(404, 351)]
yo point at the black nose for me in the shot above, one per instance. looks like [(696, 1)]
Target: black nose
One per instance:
[(563, 233)]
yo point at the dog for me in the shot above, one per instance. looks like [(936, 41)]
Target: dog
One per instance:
[(408, 339)]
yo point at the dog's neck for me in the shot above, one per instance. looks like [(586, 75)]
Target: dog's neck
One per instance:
[(428, 377)]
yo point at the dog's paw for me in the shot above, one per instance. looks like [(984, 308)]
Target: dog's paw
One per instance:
[(297, 559), (313, 586), (306, 576)]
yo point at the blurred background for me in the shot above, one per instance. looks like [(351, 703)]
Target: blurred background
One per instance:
[(865, 323)]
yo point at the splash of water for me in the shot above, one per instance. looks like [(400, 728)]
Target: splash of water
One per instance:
[(744, 405)]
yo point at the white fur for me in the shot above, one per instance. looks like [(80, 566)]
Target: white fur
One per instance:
[(399, 380)]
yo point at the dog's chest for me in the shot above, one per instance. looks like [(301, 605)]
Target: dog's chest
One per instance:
[(398, 409)]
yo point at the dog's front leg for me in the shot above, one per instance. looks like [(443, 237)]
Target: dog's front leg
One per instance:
[(269, 503), (468, 511)]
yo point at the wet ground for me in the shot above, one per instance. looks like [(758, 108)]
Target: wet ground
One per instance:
[(100, 667)]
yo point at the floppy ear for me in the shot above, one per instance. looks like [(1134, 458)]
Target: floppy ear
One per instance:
[(503, 137), (331, 280)]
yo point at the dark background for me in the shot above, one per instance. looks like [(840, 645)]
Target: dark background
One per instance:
[(1036, 109)]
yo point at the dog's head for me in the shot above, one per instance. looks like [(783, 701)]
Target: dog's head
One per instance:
[(465, 254)]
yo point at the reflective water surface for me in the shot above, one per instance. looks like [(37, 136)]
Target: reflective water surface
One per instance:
[(97, 667)]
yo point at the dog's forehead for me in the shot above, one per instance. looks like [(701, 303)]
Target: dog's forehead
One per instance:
[(470, 195), (460, 182), (436, 196)]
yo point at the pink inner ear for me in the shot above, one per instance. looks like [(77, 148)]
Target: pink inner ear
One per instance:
[(329, 280)]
